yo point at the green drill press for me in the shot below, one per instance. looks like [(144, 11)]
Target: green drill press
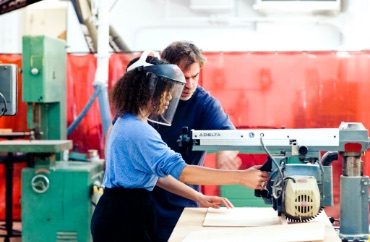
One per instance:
[(56, 193)]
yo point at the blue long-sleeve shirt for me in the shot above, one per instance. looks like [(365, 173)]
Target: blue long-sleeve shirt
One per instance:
[(200, 112), (136, 156)]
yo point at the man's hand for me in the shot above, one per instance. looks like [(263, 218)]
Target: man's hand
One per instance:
[(228, 160)]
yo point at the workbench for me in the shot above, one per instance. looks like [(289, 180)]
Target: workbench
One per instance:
[(191, 220), (11, 147)]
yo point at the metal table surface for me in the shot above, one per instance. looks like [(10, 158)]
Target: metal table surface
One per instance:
[(44, 147), (35, 146)]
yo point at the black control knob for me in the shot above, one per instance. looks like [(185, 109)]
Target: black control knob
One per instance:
[(303, 150)]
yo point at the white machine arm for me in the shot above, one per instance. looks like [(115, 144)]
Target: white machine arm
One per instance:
[(349, 137), (350, 141)]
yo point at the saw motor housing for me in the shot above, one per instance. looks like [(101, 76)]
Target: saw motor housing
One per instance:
[(301, 198), (299, 190)]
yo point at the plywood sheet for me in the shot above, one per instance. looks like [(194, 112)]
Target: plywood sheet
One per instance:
[(302, 232), (246, 216)]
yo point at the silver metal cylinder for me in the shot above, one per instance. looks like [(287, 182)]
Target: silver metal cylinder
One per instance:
[(352, 164)]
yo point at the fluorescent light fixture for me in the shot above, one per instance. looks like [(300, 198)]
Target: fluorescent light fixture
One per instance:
[(211, 4), (297, 5)]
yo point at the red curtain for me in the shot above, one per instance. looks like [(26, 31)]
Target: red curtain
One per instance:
[(257, 89), (80, 77), (16, 123), (291, 90)]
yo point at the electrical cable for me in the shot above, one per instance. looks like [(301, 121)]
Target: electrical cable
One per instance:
[(322, 179), (280, 178), (4, 101)]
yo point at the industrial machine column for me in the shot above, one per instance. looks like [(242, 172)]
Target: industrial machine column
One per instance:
[(354, 198), (56, 193)]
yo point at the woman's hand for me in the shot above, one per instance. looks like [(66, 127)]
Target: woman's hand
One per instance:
[(213, 201), (172, 185), (254, 178)]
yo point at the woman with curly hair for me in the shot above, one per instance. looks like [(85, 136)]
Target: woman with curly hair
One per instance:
[(137, 159)]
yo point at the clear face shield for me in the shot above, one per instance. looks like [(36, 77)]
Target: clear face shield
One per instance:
[(165, 82), (166, 94)]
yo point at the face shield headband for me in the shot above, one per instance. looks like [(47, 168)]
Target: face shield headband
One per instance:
[(165, 83), (142, 60)]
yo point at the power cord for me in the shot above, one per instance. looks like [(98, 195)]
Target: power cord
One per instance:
[(278, 185)]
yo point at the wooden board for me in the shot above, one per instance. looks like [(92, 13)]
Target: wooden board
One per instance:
[(245, 216), (5, 131), (192, 219), (313, 231)]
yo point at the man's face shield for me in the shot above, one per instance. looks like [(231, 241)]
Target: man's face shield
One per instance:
[(165, 82)]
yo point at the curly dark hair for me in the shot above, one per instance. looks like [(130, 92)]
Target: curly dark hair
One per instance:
[(134, 89), (183, 53)]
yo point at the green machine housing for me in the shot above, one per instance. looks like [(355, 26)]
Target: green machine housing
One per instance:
[(44, 85), (57, 202), (56, 193)]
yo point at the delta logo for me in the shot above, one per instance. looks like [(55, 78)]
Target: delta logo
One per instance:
[(209, 134)]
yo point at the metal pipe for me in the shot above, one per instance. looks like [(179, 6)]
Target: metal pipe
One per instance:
[(116, 42), (101, 76), (84, 111), (329, 157)]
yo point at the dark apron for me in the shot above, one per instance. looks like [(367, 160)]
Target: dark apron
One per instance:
[(124, 215)]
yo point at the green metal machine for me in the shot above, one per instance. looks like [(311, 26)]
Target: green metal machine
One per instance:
[(44, 85), (56, 202), (56, 193)]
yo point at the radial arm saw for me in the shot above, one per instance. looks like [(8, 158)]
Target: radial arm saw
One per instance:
[(300, 183)]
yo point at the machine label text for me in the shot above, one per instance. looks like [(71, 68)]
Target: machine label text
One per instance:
[(209, 134)]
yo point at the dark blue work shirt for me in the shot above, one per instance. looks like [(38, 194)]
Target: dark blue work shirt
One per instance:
[(200, 112)]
